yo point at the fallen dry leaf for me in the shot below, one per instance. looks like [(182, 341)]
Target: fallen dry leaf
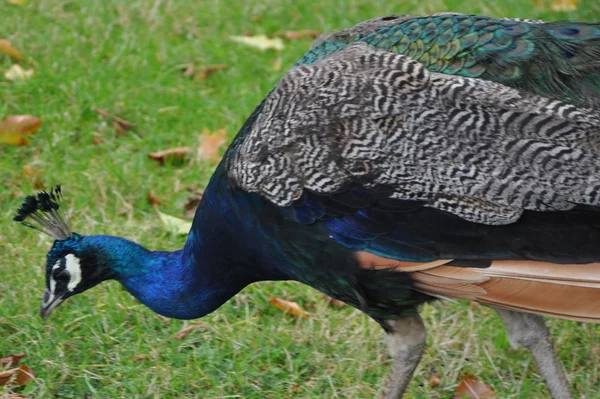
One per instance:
[(333, 302), (21, 375), (173, 155), (139, 358), (16, 72), (474, 305), (15, 129), (297, 388), (120, 125), (7, 48), (205, 71), (97, 140), (33, 176), (152, 200), (184, 332), (189, 208), (299, 34), (119, 128), (188, 70), (434, 381), (558, 5), (261, 42), (471, 388), (288, 307), (210, 143), (175, 225), (11, 360), (564, 5)]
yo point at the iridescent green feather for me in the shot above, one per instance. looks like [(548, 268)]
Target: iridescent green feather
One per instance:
[(556, 59)]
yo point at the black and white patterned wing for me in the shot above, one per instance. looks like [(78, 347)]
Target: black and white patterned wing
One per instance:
[(380, 121)]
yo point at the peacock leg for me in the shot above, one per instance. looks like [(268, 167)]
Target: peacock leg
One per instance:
[(406, 342), (529, 330)]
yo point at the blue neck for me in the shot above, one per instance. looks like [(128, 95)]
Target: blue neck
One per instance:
[(225, 251), (172, 284), (174, 288)]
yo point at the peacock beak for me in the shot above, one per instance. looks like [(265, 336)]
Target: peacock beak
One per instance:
[(49, 303)]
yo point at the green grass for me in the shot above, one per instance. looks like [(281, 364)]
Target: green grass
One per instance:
[(126, 56)]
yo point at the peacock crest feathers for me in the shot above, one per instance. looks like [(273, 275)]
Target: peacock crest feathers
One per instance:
[(45, 212)]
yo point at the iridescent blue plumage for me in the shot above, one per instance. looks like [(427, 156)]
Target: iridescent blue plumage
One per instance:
[(143, 273)]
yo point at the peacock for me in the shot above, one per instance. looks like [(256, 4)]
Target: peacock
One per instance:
[(403, 160)]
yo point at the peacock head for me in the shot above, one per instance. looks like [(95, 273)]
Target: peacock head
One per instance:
[(71, 268)]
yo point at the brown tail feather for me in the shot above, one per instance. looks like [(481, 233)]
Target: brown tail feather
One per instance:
[(556, 290), (546, 298)]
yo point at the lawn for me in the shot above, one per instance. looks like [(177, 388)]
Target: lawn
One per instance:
[(127, 57)]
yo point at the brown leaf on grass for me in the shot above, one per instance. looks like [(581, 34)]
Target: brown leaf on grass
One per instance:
[(139, 358), (17, 72), (189, 208), (184, 332), (174, 155), (188, 70), (21, 375), (205, 71), (557, 5), (564, 5), (471, 388), (434, 381), (120, 125), (297, 388), (7, 48), (119, 128), (152, 200), (333, 302), (11, 360), (288, 307), (210, 143), (33, 176), (97, 140), (474, 305), (299, 34), (15, 129)]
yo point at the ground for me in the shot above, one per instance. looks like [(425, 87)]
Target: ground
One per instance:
[(127, 57)]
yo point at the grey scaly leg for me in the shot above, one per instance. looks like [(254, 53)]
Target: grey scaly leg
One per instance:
[(406, 342), (529, 330)]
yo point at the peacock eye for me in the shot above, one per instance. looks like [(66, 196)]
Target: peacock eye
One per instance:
[(60, 275)]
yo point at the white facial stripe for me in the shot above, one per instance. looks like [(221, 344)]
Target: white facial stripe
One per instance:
[(50, 299), (52, 281), (74, 268)]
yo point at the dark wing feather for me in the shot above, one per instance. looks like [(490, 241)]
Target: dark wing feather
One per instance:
[(379, 121), (412, 231)]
